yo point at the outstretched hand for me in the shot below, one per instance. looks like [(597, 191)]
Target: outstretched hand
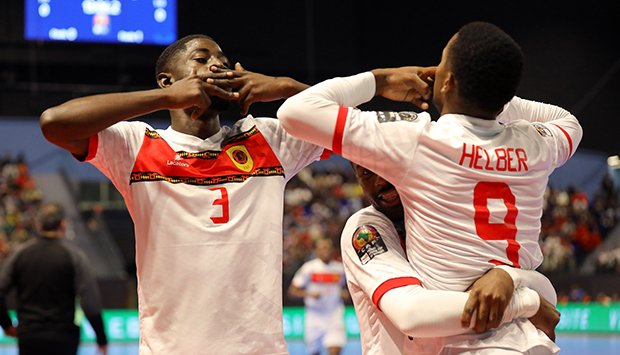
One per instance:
[(194, 93), (254, 87), (488, 298), (406, 84)]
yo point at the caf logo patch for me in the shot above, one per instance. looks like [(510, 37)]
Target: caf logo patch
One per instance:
[(390, 116), (240, 156), (368, 243), (542, 130)]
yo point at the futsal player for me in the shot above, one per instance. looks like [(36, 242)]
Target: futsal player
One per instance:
[(206, 200), (472, 188)]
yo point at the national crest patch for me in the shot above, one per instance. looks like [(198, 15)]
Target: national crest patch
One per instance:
[(368, 243), (240, 157), (542, 130), (391, 116)]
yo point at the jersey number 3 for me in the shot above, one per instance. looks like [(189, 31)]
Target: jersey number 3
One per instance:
[(223, 201), (497, 231)]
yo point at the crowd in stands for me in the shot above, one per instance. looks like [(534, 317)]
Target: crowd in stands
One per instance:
[(573, 226), (19, 203)]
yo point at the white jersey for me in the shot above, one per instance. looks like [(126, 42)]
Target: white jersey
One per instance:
[(208, 228), (376, 265), (472, 188), (326, 279), (375, 262)]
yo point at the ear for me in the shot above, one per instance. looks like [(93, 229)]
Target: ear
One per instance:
[(164, 79), (449, 84)]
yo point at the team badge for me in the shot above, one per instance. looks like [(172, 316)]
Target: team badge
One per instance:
[(390, 116), (542, 130), (240, 157), (367, 243)]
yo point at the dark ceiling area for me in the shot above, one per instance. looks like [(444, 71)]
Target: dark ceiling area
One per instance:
[(572, 51)]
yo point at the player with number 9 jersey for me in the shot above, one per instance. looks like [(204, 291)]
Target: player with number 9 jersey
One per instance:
[(472, 186)]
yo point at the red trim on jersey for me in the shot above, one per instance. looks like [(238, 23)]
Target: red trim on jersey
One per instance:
[(329, 278), (570, 141), (326, 154), (339, 129), (392, 284), (157, 161), (93, 143)]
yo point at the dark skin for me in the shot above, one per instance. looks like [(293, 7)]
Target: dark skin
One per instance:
[(186, 90), (489, 295)]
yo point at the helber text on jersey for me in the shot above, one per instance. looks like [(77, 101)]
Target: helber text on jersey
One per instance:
[(497, 159)]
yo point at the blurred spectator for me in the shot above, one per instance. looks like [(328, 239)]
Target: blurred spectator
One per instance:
[(19, 203)]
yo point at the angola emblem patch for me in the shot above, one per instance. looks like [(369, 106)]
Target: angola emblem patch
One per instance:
[(241, 158)]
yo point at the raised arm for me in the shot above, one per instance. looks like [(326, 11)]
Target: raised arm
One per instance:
[(70, 124)]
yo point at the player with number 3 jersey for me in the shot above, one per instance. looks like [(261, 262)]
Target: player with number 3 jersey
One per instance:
[(206, 200)]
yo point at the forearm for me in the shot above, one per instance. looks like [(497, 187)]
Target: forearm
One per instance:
[(419, 312), (96, 323), (532, 279), (290, 87), (313, 114), (83, 117)]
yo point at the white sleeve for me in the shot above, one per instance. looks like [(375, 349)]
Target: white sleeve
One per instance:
[(559, 127), (293, 153), (302, 277), (423, 313), (380, 141), (114, 150), (534, 280), (373, 257)]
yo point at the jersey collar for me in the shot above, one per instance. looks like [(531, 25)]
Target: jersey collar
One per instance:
[(472, 123)]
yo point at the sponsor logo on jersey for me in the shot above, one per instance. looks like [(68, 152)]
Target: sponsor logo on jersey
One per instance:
[(542, 130), (177, 161), (390, 116), (368, 243), (240, 157)]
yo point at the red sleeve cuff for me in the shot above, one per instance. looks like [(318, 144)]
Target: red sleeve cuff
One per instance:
[(93, 143), (341, 121), (390, 285)]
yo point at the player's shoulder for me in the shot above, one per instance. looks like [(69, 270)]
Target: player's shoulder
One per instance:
[(365, 220), (132, 127), (367, 215)]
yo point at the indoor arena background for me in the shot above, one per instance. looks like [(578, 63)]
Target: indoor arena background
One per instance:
[(572, 59)]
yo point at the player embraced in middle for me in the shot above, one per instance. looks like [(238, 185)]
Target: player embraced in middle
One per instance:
[(390, 301)]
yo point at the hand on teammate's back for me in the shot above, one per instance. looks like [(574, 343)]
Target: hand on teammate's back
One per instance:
[(547, 318), (488, 298)]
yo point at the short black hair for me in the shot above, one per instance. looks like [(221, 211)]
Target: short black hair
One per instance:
[(487, 64), (50, 216), (163, 62)]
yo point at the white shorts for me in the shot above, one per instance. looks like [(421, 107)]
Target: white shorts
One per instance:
[(324, 332)]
